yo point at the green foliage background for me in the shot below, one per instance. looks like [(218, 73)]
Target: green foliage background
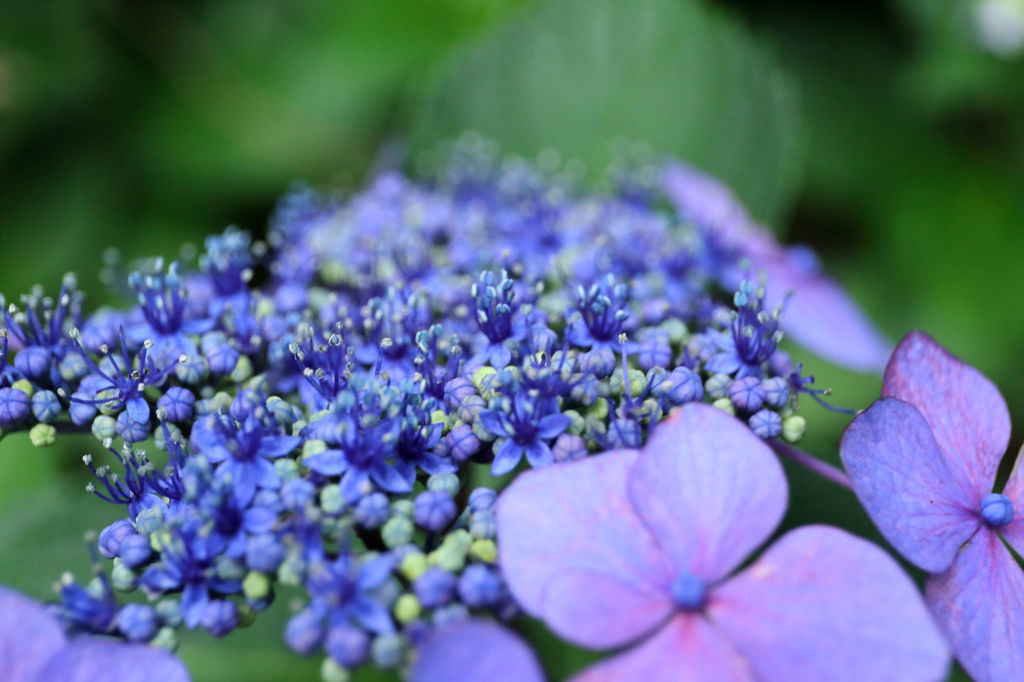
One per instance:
[(878, 132)]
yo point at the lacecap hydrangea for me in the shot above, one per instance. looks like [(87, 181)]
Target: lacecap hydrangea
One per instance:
[(335, 408)]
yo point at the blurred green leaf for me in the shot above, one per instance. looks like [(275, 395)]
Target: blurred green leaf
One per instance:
[(576, 75)]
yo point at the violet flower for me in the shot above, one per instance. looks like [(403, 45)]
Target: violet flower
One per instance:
[(923, 461), (637, 547), (33, 648), (475, 651), (820, 315)]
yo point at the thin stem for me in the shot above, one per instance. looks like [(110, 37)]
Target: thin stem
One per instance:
[(823, 469)]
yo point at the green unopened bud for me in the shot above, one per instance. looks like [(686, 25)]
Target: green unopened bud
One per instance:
[(414, 564), (242, 370), (481, 432), (402, 508), (312, 447), (332, 671), (598, 410), (331, 500), (220, 402), (25, 386), (122, 578), (229, 569), (438, 417), (793, 428), (246, 615), (291, 571), (264, 307), (317, 416), (447, 558), (287, 468), (484, 550), (165, 639), (397, 531), (256, 585), (104, 427), (637, 382), (259, 384), (717, 385), (161, 440), (445, 483), (407, 608), (483, 378), (280, 410), (725, 405), (676, 330), (192, 371), (43, 435)]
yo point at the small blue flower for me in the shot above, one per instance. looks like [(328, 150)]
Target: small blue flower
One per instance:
[(523, 430), (752, 338), (242, 451)]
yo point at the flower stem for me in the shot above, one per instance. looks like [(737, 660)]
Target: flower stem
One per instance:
[(823, 469)]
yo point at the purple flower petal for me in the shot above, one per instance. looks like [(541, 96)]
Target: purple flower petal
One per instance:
[(371, 615), (979, 603), (265, 474), (496, 422), (89, 660), (194, 599), (278, 446), (709, 490), (822, 317), (1014, 532), (506, 457), (552, 425), (29, 636), (390, 479), (539, 455), (905, 486), (206, 440), (327, 462), (571, 544), (709, 204), (687, 649), (138, 410), (821, 604), (475, 651), (964, 409)]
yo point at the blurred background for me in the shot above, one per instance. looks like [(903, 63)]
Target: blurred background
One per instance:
[(888, 134)]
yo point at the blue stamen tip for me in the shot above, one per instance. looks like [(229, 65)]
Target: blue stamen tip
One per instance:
[(689, 592), (996, 509)]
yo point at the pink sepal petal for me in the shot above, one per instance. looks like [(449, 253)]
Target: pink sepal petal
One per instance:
[(979, 603), (821, 604), (905, 484), (709, 490), (568, 532), (475, 651), (90, 660), (965, 410), (687, 649), (29, 636), (821, 316)]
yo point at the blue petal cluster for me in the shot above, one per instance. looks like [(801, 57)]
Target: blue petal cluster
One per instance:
[(320, 410)]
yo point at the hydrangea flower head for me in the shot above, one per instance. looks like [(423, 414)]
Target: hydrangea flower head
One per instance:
[(923, 461), (639, 548)]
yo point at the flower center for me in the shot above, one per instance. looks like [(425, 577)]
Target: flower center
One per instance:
[(689, 592), (996, 509)]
